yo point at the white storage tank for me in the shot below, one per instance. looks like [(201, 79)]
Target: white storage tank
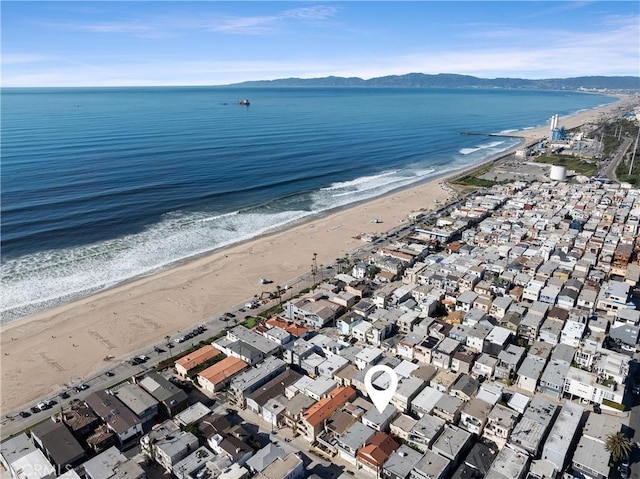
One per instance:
[(558, 173)]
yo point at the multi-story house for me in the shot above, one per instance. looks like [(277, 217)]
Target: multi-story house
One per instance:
[(530, 327), (588, 386), (563, 435), (500, 423)]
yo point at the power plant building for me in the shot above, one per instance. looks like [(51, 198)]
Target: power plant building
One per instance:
[(555, 132)]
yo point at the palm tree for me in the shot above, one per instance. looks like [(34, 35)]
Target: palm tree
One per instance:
[(618, 445), (347, 262), (167, 338), (279, 290)]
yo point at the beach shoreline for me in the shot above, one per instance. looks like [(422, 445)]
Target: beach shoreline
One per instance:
[(68, 342)]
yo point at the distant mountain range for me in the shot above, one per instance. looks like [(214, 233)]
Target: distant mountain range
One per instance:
[(450, 80)]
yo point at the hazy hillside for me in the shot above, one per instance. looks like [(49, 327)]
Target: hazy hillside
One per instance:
[(448, 80)]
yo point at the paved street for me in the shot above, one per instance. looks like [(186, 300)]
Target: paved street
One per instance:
[(121, 370), (609, 168)]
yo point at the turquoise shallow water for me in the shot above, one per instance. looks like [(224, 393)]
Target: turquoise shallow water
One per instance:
[(103, 185)]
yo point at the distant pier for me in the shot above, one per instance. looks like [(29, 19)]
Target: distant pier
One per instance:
[(479, 133)]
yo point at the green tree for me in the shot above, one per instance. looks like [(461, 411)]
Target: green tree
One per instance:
[(347, 262), (618, 445)]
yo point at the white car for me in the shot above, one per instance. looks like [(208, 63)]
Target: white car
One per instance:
[(42, 406), (181, 339)]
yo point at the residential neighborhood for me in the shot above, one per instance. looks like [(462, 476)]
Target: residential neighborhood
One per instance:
[(511, 319)]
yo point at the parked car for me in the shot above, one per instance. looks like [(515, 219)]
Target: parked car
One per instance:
[(25, 414), (34, 409), (42, 406), (109, 374), (63, 395), (169, 346)]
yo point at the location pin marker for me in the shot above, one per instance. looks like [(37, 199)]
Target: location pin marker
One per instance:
[(380, 398)]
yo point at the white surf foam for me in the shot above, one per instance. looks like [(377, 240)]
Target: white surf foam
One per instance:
[(47, 278)]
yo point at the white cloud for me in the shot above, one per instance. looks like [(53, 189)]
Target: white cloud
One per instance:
[(522, 52), (543, 63), (170, 26), (256, 25)]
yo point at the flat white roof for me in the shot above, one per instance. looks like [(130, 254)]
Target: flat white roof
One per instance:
[(34, 466), (426, 399)]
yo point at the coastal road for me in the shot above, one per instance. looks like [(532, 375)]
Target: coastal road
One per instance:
[(116, 371), (609, 167)]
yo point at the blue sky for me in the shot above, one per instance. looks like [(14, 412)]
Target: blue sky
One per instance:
[(215, 43)]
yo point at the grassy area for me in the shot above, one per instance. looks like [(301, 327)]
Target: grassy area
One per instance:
[(473, 178), (580, 166), (250, 322), (613, 132), (277, 309), (619, 407), (622, 171)]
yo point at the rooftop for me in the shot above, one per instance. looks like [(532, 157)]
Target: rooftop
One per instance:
[(61, 447), (223, 370), (198, 357), (402, 461)]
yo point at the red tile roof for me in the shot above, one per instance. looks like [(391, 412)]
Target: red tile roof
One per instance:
[(324, 408), (198, 357), (379, 449)]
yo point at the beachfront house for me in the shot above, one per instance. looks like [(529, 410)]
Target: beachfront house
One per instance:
[(118, 417), (172, 399), (313, 309)]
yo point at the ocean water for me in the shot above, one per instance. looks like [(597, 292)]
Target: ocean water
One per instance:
[(101, 185)]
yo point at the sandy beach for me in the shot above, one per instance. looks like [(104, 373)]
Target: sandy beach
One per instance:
[(43, 352)]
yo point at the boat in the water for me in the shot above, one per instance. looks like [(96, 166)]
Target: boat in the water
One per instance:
[(244, 102)]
